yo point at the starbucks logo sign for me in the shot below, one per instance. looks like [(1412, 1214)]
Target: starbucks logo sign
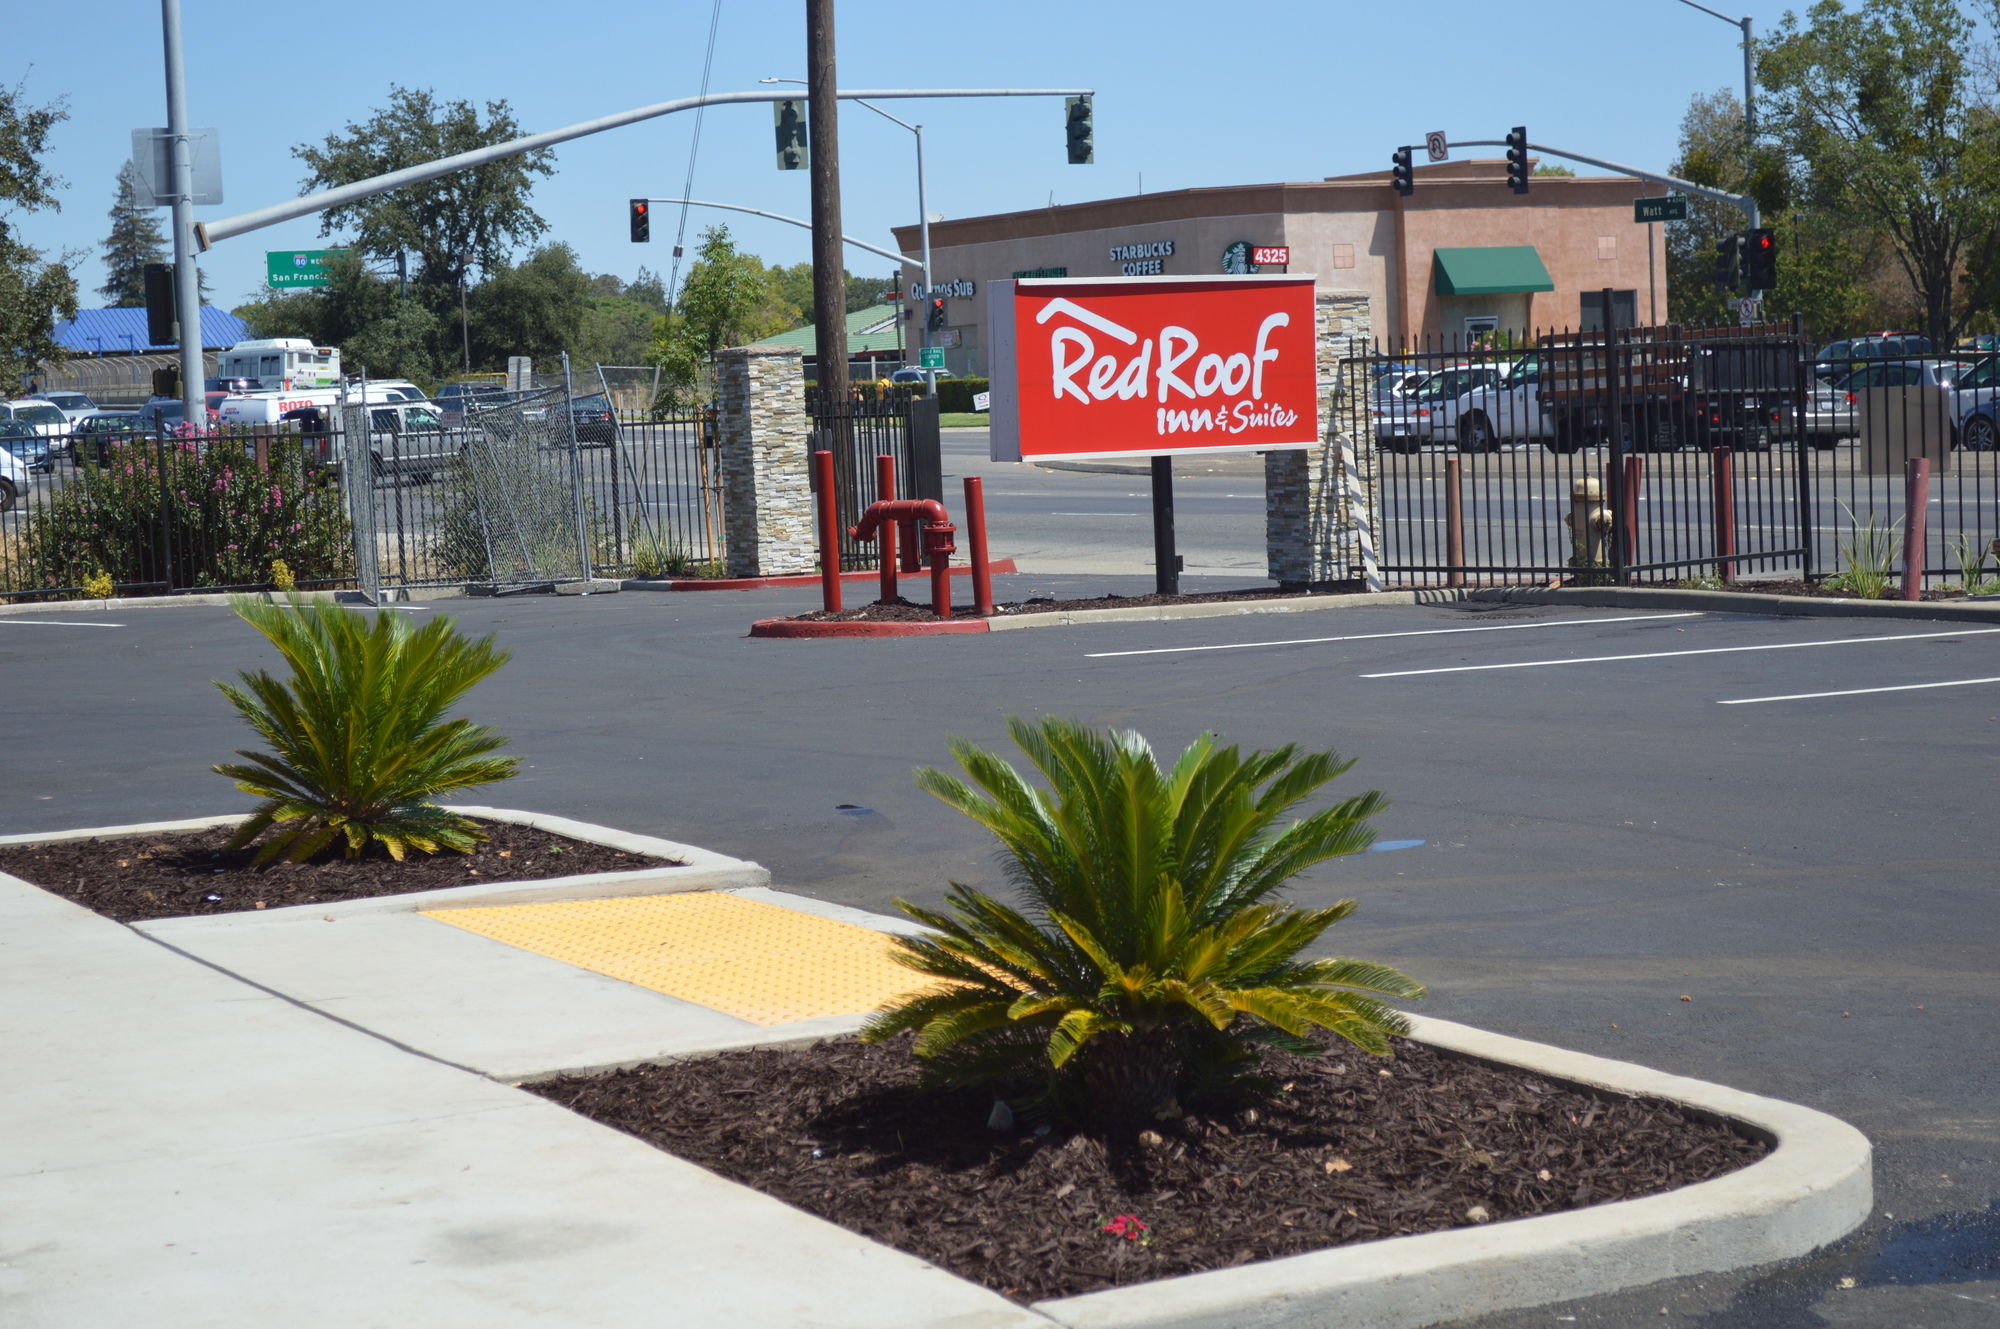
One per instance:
[(1236, 260)]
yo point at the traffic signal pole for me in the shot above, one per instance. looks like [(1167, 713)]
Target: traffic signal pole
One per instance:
[(210, 234)]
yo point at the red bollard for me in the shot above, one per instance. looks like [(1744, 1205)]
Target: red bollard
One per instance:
[(975, 526), (1454, 525), (1628, 519), (1916, 520), (829, 532), (885, 492), (1723, 481), (938, 546)]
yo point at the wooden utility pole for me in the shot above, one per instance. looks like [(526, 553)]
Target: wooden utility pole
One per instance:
[(829, 276)]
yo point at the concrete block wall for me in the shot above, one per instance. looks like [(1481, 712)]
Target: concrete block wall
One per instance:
[(767, 507), (1310, 536)]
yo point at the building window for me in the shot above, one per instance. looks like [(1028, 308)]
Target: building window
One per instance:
[(1624, 309), (1343, 256), (1607, 248)]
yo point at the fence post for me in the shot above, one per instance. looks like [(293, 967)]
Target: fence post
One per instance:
[(1916, 513), (1454, 525), (1722, 479)]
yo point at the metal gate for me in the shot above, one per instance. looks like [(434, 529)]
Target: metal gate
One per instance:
[(895, 423), (1683, 449)]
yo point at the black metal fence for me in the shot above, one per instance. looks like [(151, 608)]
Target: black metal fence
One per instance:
[(136, 514), (1668, 455), (894, 423)]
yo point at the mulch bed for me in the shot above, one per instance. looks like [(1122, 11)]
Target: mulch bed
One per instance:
[(174, 873), (1355, 1149)]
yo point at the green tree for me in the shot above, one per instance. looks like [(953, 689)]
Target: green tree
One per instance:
[(535, 309), (795, 286), (1882, 110), (470, 218), (728, 299), (1153, 958), (135, 241), (33, 293)]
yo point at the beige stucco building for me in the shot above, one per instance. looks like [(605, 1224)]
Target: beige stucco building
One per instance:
[(1461, 255)]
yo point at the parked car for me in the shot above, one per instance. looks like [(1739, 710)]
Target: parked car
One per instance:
[(1843, 357), (455, 400), (97, 433), (28, 445), (1829, 414), (73, 405), (1399, 418), (14, 480), (47, 418), (596, 425), (1439, 395), (164, 414), (1975, 406)]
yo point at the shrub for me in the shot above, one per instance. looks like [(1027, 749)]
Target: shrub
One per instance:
[(955, 394), (359, 743), (191, 512), (1870, 556), (1156, 961)]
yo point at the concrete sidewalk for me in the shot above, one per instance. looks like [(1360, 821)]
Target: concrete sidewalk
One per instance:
[(185, 1149)]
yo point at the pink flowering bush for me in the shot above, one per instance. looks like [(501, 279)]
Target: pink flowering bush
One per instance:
[(194, 510)]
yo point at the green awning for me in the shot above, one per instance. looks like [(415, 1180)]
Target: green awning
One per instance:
[(1490, 270)]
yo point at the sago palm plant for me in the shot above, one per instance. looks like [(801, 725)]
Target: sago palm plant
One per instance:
[(1151, 959), (359, 742)]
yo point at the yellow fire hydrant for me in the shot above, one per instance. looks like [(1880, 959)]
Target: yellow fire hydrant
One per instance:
[(1589, 523)]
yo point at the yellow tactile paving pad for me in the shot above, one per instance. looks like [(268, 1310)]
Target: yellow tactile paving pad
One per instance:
[(759, 962)]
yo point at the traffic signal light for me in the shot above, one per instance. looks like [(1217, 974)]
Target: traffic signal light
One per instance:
[(1400, 174), (160, 312), (1760, 260), (790, 118), (935, 320), (642, 222), (1729, 262), (1082, 134), (1517, 159)]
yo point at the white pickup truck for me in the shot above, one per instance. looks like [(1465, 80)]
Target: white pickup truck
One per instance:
[(405, 438), (1494, 406)]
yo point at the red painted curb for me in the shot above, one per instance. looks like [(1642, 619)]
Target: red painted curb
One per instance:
[(994, 565), (819, 627)]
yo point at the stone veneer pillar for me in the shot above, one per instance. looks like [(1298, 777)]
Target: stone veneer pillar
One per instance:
[(1310, 536), (767, 507)]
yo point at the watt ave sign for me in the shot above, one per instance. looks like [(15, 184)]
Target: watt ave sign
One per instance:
[(293, 268), (1668, 207), (1151, 366)]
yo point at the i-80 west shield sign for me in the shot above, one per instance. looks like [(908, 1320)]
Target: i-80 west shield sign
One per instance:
[(1152, 365)]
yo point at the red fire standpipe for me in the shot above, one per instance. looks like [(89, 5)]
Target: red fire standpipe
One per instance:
[(885, 492), (1723, 477), (1916, 511), (975, 526), (937, 543), (829, 532)]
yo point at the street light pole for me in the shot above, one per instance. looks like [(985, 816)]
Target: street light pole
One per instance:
[(1749, 47), (187, 282), (923, 221)]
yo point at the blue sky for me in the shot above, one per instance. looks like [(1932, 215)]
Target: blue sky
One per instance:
[(1187, 95)]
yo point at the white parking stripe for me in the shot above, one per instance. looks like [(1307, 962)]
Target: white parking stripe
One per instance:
[(1377, 636), (1669, 655), (57, 623), (1856, 692)]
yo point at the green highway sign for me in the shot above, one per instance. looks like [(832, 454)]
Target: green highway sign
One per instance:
[(1669, 207), (296, 267), (931, 357)]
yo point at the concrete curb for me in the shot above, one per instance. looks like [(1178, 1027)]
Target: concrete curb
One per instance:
[(1731, 602), (821, 628), (994, 566), (1813, 1188), (701, 870)]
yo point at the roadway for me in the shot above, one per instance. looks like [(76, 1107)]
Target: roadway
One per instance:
[(1713, 844)]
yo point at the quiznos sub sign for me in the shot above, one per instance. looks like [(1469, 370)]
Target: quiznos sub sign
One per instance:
[(1118, 366)]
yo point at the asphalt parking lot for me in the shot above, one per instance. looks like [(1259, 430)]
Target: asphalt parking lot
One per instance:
[(1756, 851)]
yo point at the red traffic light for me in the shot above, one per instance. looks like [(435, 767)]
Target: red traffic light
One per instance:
[(642, 222)]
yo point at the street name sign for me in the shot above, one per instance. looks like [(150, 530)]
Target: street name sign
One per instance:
[(1668, 207)]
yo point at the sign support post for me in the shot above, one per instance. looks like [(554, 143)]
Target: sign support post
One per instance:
[(1166, 563)]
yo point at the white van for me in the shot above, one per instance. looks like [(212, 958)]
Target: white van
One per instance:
[(281, 363)]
